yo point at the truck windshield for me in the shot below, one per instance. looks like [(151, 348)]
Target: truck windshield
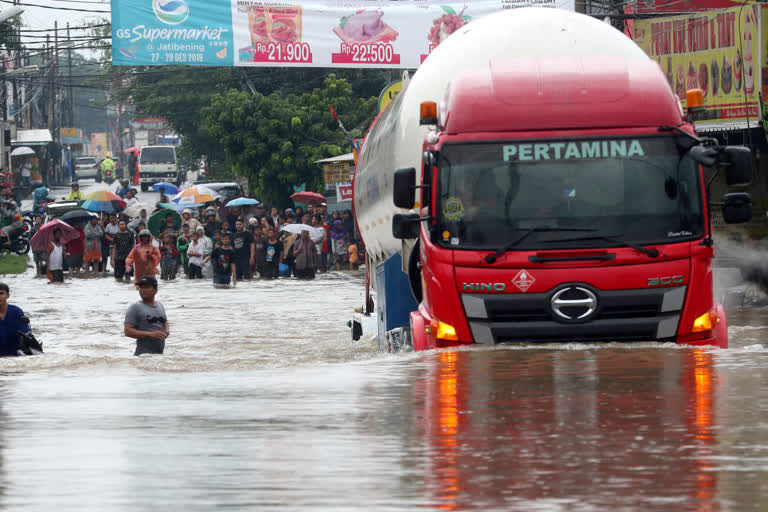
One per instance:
[(641, 190), (152, 155)]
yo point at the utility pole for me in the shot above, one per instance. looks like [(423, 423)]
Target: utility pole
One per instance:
[(48, 170), (70, 96)]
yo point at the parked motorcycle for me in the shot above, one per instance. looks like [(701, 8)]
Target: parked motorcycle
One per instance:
[(19, 236), (28, 344)]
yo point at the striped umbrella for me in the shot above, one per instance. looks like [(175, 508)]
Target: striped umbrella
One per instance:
[(197, 194), (103, 201)]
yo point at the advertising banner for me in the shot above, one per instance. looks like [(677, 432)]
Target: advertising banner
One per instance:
[(313, 33), (716, 51), (673, 6), (344, 192), (99, 143)]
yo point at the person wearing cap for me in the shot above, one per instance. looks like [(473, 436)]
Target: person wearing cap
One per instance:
[(322, 209), (75, 194), (144, 257), (211, 224), (146, 321), (187, 218), (123, 188)]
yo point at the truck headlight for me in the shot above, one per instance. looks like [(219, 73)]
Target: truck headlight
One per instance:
[(706, 322), (442, 331)]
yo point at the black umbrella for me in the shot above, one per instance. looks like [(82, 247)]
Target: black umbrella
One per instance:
[(79, 215)]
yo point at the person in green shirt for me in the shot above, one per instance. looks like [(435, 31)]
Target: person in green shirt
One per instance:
[(182, 244), (76, 194), (107, 165)]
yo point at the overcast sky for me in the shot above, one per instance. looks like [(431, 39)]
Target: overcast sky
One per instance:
[(51, 11)]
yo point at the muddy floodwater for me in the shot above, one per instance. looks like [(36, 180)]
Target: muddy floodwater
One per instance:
[(263, 402)]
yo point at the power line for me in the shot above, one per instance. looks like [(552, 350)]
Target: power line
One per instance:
[(55, 8)]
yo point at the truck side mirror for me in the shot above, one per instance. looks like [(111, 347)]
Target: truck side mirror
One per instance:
[(404, 190), (406, 226), (704, 155), (737, 208), (739, 165)]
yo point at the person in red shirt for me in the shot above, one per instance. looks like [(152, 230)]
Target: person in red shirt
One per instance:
[(75, 250), (144, 257)]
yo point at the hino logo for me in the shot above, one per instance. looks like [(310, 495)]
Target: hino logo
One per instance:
[(485, 287), (574, 303)]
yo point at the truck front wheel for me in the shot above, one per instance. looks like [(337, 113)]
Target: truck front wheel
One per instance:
[(414, 273), (144, 187)]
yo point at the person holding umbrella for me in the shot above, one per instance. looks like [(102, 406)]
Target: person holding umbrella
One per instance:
[(144, 257), (93, 235), (54, 256)]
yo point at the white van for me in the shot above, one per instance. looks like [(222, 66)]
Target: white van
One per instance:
[(157, 164)]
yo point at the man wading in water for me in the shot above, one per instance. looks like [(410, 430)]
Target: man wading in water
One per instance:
[(146, 321)]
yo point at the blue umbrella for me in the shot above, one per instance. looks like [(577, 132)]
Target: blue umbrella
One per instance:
[(170, 188), (242, 201)]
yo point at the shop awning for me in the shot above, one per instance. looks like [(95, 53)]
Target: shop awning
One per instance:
[(32, 138), (349, 157), (726, 126)]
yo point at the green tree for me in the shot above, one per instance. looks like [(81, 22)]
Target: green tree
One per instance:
[(274, 139)]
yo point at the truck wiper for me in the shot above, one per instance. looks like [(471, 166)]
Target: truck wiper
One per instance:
[(491, 258), (653, 253)]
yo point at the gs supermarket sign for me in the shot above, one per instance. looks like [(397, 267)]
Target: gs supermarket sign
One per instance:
[(169, 32), (312, 33)]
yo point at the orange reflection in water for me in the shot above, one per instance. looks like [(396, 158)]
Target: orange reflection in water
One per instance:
[(703, 416), (447, 437)]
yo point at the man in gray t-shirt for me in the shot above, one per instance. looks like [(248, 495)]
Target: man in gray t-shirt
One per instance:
[(146, 321)]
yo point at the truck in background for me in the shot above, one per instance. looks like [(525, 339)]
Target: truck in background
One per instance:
[(158, 164), (562, 193)]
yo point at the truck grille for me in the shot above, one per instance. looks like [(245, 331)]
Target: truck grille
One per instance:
[(619, 315)]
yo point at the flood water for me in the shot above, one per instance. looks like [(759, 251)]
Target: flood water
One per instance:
[(263, 402)]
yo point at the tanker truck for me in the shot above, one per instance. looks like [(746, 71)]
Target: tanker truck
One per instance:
[(538, 180)]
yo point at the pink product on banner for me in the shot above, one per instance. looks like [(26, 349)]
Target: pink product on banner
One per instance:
[(365, 27)]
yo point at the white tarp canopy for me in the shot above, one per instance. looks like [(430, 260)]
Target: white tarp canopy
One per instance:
[(32, 138)]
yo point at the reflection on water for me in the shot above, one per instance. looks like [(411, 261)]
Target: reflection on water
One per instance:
[(584, 429), (263, 402), (495, 429)]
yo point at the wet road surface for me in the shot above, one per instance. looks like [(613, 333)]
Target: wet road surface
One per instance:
[(262, 402)]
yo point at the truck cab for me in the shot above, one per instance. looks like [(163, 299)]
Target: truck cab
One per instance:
[(564, 200), (157, 164)]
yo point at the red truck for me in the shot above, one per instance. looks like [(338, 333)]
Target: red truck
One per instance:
[(563, 193)]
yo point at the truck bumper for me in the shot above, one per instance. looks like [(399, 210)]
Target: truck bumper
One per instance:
[(157, 178), (423, 340)]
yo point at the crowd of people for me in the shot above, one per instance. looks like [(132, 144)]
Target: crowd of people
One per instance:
[(225, 244)]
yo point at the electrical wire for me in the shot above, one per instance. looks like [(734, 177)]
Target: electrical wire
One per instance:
[(54, 8)]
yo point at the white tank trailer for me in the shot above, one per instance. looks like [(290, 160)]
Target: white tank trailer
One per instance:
[(395, 138)]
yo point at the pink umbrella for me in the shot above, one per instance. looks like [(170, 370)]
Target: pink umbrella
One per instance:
[(42, 239)]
